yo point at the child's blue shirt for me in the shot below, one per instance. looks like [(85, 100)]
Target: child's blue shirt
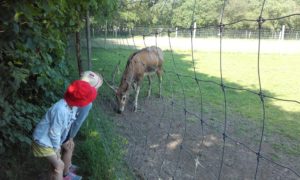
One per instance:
[(53, 129)]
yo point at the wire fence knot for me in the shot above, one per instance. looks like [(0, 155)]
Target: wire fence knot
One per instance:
[(260, 21), (224, 136), (261, 96), (222, 86), (258, 155), (221, 27)]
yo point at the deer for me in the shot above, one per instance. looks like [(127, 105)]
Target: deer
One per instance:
[(144, 62)]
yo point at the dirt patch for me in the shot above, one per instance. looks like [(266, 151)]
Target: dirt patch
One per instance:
[(168, 141)]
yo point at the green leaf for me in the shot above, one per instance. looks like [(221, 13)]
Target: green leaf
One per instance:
[(16, 28), (17, 16), (2, 148), (20, 75), (20, 137), (29, 44)]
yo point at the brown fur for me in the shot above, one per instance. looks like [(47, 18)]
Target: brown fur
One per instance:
[(141, 63)]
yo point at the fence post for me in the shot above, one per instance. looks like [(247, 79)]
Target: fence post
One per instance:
[(93, 32), (88, 40), (78, 53), (282, 32), (105, 33), (116, 31), (194, 31)]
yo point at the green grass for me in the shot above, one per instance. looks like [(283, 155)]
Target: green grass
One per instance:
[(279, 75), (99, 149)]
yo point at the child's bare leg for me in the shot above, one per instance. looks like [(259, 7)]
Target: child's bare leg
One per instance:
[(57, 167), (68, 148)]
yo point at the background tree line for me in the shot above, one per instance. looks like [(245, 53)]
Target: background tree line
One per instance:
[(181, 13)]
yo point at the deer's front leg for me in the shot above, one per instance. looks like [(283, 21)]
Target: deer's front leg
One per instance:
[(160, 84), (149, 88), (159, 74), (136, 98)]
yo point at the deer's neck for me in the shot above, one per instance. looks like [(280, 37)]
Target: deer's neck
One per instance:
[(127, 78), (129, 74)]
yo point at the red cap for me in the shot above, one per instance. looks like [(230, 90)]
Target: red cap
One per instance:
[(80, 93)]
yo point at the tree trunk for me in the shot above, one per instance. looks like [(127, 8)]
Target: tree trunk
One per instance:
[(78, 55), (88, 40)]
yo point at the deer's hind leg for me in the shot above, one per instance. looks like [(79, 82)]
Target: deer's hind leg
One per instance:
[(149, 88), (137, 91), (159, 75)]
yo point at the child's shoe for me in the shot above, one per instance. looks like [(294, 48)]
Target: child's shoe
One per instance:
[(73, 168), (72, 176)]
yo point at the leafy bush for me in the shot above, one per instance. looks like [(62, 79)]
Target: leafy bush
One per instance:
[(34, 70), (33, 67)]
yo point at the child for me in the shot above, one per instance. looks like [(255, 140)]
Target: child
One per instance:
[(96, 81), (53, 129)]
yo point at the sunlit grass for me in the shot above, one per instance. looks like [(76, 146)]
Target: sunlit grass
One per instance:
[(278, 75), (94, 134)]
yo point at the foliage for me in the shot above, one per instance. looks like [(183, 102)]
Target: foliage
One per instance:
[(33, 64), (33, 35), (202, 12), (182, 13), (281, 8)]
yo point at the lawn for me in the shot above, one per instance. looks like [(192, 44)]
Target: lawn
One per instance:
[(279, 75)]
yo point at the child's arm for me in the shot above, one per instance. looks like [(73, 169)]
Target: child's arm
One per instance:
[(82, 115), (58, 118)]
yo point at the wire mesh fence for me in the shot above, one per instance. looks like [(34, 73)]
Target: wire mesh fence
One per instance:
[(183, 136)]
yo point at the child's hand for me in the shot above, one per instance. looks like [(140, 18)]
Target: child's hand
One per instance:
[(69, 145), (57, 152)]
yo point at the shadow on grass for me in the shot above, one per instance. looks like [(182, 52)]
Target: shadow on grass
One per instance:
[(245, 113)]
